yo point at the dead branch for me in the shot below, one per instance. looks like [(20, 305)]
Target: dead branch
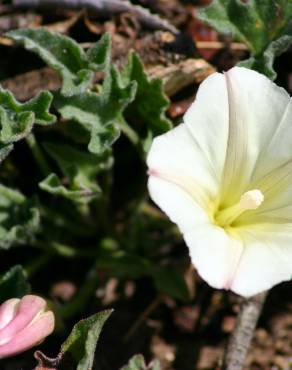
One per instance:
[(177, 76), (221, 45), (104, 8)]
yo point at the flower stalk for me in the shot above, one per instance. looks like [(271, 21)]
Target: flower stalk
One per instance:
[(241, 337)]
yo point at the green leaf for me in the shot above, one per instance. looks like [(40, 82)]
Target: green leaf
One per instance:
[(19, 218), (264, 63), (123, 264), (52, 184), (137, 362), (258, 23), (14, 284), (81, 343), (4, 151), (148, 108), (171, 282), (100, 113), (99, 55), (65, 56), (80, 169), (17, 119)]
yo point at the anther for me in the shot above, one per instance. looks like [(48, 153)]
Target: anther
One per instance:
[(252, 199)]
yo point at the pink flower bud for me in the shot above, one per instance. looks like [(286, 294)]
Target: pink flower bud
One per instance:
[(23, 324)]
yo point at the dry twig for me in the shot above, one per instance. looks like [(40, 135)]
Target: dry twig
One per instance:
[(177, 76), (102, 8)]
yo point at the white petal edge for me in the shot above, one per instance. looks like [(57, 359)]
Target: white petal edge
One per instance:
[(266, 260), (177, 204), (176, 157), (215, 254)]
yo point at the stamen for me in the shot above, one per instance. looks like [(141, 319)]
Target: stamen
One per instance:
[(250, 200)]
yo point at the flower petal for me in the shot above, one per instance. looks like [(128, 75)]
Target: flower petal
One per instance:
[(176, 203), (29, 336), (215, 254), (277, 190), (8, 310), (258, 111), (175, 157), (266, 259), (29, 307), (207, 119)]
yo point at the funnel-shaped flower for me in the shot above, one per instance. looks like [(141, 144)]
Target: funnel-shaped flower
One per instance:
[(224, 177), (23, 324)]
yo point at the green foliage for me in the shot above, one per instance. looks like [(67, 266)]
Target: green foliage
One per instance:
[(265, 26), (100, 113), (17, 119), (124, 265), (150, 103), (137, 362), (14, 284), (19, 217), (80, 170), (66, 56), (81, 343), (171, 282), (85, 214)]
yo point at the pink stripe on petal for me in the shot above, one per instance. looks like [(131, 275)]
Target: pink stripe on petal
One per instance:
[(29, 336)]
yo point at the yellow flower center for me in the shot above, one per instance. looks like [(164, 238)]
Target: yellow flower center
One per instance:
[(250, 200)]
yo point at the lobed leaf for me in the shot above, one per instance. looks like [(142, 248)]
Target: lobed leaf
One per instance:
[(264, 63), (19, 217), (80, 170), (265, 26), (66, 56), (100, 113), (149, 106), (17, 119)]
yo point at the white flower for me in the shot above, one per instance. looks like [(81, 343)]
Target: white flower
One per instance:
[(224, 177)]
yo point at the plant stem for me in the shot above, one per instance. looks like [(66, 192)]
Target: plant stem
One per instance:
[(128, 131), (241, 337), (38, 155)]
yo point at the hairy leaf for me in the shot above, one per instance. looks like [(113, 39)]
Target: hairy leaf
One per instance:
[(99, 113), (17, 119), (265, 26), (81, 343), (14, 284), (80, 170), (19, 217), (264, 63), (148, 108), (66, 56)]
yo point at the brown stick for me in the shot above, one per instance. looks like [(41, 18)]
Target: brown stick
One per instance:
[(102, 7), (214, 45), (241, 337)]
